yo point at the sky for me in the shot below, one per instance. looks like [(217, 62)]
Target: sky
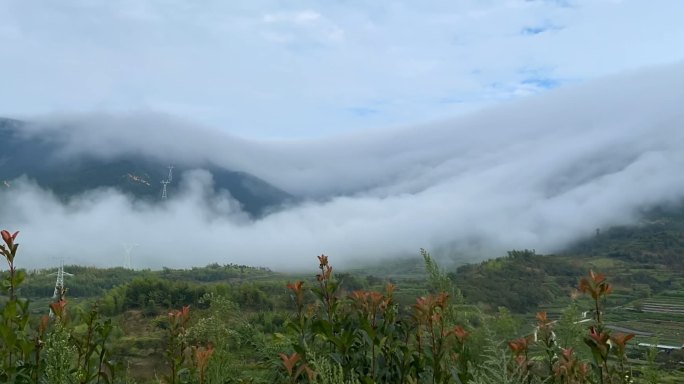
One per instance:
[(310, 69)]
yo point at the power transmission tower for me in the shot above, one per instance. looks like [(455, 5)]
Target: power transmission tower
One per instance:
[(128, 259), (165, 183), (170, 179), (60, 290), (59, 284)]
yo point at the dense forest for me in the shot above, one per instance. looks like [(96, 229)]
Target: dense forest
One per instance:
[(519, 318)]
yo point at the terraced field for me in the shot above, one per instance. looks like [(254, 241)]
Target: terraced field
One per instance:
[(661, 317), (670, 305)]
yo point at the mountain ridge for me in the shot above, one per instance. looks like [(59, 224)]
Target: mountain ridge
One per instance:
[(139, 176)]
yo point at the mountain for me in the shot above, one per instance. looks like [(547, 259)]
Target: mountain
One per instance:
[(41, 159)]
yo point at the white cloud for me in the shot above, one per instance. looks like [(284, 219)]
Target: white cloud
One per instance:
[(536, 173), (319, 61), (302, 17), (301, 28)]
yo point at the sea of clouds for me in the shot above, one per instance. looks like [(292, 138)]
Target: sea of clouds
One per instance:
[(534, 173)]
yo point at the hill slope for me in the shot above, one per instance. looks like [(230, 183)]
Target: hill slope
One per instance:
[(40, 159)]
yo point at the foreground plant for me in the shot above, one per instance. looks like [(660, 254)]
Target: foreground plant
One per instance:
[(59, 351), (177, 345), (93, 356), (365, 335), (53, 352), (559, 364), (608, 350), (16, 343)]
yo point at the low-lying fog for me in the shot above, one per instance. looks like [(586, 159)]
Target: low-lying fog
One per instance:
[(536, 173)]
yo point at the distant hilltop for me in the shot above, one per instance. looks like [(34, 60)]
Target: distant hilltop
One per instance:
[(42, 159)]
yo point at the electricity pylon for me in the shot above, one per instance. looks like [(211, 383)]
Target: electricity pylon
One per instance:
[(165, 183), (128, 259), (60, 290)]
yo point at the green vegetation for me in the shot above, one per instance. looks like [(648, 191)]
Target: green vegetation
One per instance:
[(522, 318)]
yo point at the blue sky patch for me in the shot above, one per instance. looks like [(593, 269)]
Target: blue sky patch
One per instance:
[(363, 111), (542, 82), (533, 30)]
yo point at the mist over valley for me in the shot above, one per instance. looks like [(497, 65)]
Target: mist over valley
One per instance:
[(539, 172)]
